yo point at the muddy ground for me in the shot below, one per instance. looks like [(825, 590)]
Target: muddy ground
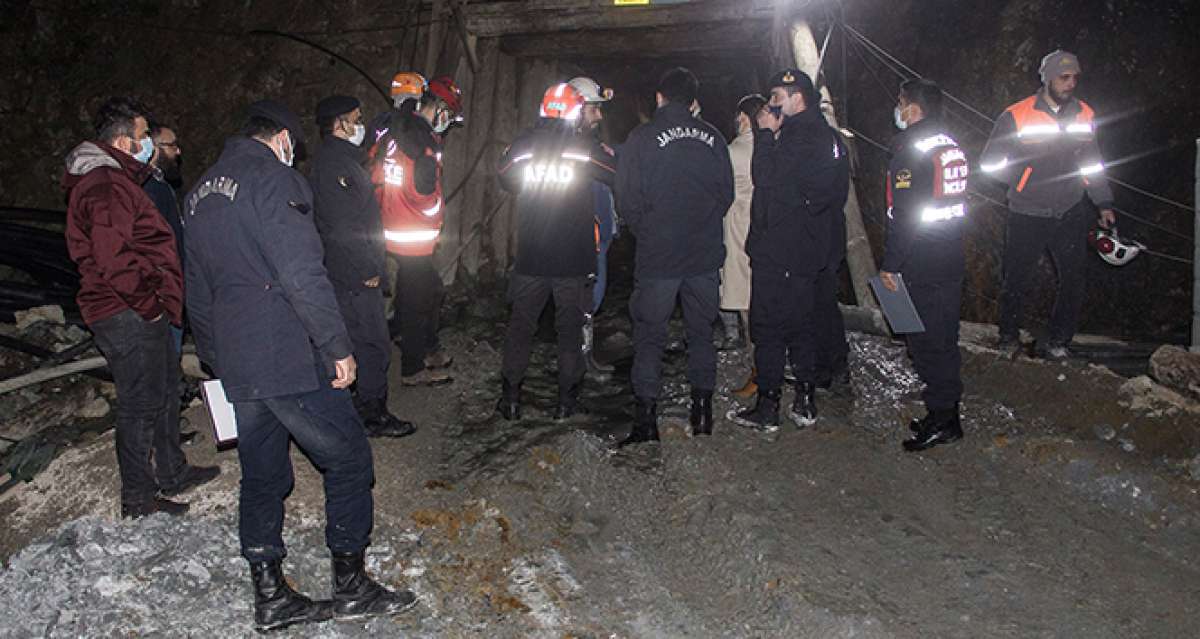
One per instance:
[(1069, 510)]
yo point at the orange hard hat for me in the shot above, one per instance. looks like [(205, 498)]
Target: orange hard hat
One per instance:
[(408, 84), (562, 102)]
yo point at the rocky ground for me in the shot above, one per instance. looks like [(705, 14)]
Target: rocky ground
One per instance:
[(1070, 510)]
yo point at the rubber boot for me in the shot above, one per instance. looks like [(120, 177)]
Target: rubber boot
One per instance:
[(804, 406), (589, 348), (509, 404), (276, 605), (765, 414), (357, 596), (749, 389), (568, 403), (701, 417), (645, 424), (942, 427)]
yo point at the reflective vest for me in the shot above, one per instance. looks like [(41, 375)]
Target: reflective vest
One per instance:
[(412, 222)]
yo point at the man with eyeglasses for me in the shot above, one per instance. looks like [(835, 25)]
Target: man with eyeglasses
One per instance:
[(165, 177)]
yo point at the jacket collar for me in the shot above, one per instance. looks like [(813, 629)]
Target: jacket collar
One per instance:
[(334, 144), (1065, 110), (92, 155)]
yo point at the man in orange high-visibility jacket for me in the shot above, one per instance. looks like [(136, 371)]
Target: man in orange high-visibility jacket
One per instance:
[(1044, 148), (407, 172)]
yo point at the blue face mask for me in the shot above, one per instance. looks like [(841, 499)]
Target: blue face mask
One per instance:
[(776, 110), (143, 155)]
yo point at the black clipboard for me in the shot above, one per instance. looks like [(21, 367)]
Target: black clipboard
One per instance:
[(898, 306)]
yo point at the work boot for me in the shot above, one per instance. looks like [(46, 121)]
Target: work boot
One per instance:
[(276, 605), (701, 417), (589, 348), (942, 427), (509, 404), (749, 389), (438, 359), (645, 424), (379, 423), (189, 478), (154, 505), (568, 404), (427, 377), (765, 414), (918, 425), (1009, 346), (804, 405), (357, 596), (837, 383)]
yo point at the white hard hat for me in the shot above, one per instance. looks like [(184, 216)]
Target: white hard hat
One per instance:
[(1112, 248), (592, 93)]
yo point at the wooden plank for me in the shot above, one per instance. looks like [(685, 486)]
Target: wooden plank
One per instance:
[(453, 169), (503, 228), (479, 130), (549, 16), (746, 36)]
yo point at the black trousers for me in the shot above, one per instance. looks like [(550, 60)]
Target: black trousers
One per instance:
[(935, 352), (833, 350), (651, 306), (145, 368), (783, 320), (418, 301), (528, 295), (1027, 239), (363, 313), (324, 425)]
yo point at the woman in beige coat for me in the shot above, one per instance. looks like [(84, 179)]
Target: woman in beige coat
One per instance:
[(735, 275)]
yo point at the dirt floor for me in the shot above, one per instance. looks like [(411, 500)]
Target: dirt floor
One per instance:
[(1069, 510)]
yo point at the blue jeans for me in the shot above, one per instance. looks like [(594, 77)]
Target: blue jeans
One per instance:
[(328, 430)]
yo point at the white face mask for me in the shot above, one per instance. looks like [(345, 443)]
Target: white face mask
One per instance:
[(898, 114), (360, 133), (287, 155), (695, 109)]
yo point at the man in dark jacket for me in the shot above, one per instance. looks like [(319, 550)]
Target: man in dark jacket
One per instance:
[(674, 185), (131, 292), (1044, 149), (927, 201), (267, 322), (164, 178), (347, 216), (800, 170), (551, 168)]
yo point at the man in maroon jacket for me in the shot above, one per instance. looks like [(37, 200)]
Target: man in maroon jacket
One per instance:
[(131, 291)]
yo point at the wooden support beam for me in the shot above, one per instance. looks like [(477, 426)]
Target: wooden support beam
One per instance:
[(436, 37), (743, 37), (558, 16), (503, 228), (859, 256)]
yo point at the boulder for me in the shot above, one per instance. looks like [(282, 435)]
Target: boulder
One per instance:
[(28, 317), (1178, 369)]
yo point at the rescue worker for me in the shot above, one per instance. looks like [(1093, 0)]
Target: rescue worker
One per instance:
[(407, 89), (130, 296), (1044, 149), (347, 216), (674, 186), (735, 275), (606, 216), (800, 169), (267, 322), (550, 169), (927, 203), (408, 182)]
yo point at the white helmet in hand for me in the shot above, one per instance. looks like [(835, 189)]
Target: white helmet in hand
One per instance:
[(592, 93)]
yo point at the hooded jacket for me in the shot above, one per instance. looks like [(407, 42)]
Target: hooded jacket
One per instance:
[(674, 186), (125, 251)]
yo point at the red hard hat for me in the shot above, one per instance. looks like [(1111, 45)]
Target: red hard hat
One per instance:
[(562, 101), (444, 89)]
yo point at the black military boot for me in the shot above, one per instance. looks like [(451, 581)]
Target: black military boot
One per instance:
[(509, 404), (940, 427), (356, 595), (701, 417), (645, 424), (765, 414), (568, 404), (276, 605), (804, 406)]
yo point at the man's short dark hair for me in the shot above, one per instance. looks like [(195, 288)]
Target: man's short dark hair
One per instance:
[(261, 128), (156, 127), (679, 86), (116, 117), (751, 105), (925, 94)]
